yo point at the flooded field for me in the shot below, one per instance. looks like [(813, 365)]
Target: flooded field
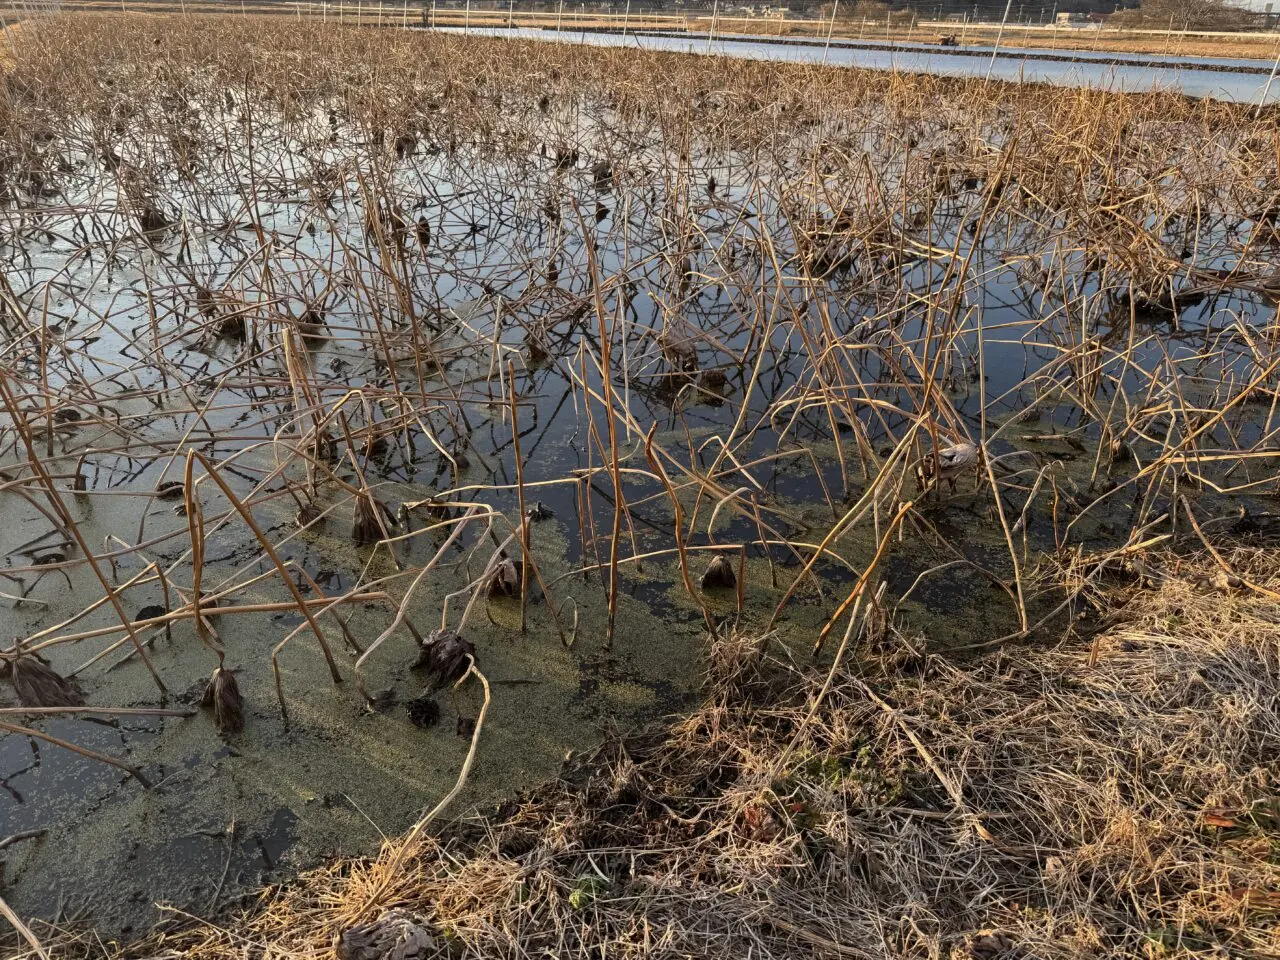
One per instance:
[(1222, 78), (380, 406)]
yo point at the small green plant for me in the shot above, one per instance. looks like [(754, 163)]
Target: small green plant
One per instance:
[(586, 890)]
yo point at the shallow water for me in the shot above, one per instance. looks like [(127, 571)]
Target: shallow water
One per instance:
[(1013, 64), (505, 271)]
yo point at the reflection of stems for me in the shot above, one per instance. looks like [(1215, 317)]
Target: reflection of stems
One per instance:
[(298, 600), (195, 524), (679, 529), (83, 751), (401, 611), (524, 520), (606, 388), (55, 501), (410, 840), (860, 586)]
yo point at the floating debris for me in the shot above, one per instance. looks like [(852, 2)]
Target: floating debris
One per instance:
[(223, 696), (396, 935), (424, 711), (170, 490), (539, 512), (951, 462), (371, 517), (307, 514), (719, 575), (39, 685), (504, 579), (445, 656)]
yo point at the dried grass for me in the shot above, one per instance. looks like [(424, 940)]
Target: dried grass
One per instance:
[(1109, 798)]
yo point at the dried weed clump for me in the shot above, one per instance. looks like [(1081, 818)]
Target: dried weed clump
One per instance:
[(1111, 797)]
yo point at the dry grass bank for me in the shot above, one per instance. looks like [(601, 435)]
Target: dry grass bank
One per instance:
[(1105, 798)]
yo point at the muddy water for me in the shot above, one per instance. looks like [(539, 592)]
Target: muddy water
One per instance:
[(336, 776), (337, 773)]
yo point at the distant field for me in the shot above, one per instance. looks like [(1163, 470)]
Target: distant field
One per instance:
[(1261, 46)]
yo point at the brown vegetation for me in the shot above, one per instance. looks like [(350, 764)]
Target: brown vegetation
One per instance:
[(1111, 797), (843, 248)]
